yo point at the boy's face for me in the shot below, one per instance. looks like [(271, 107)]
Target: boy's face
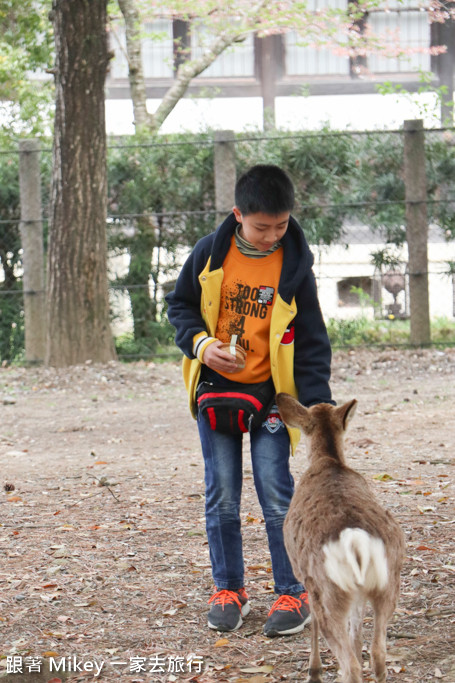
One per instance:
[(261, 229)]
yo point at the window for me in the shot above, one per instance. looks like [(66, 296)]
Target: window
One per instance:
[(157, 53), (347, 297), (308, 60), (311, 60), (119, 64), (410, 25), (157, 49)]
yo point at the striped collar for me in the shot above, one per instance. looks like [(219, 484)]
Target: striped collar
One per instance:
[(247, 249)]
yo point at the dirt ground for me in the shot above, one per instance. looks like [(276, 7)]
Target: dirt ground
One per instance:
[(103, 554)]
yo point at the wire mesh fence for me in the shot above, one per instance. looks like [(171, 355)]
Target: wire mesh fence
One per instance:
[(352, 200)]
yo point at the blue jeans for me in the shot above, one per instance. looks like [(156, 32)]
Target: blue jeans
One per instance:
[(274, 484)]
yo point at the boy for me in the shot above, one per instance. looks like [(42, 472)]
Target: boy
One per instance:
[(252, 278)]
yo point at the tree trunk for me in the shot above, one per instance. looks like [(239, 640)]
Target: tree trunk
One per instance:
[(143, 307), (78, 304)]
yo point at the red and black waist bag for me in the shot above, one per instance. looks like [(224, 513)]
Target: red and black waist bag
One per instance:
[(237, 408)]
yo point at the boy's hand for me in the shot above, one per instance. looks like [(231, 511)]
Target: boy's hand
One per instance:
[(218, 359)]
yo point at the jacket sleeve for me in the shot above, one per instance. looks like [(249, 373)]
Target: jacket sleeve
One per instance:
[(184, 303), (312, 353)]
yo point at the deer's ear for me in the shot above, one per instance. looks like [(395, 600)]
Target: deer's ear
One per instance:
[(293, 413), (346, 412)]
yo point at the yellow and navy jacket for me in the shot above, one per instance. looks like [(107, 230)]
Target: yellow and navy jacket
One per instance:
[(300, 353)]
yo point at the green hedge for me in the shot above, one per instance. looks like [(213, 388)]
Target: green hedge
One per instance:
[(161, 198)]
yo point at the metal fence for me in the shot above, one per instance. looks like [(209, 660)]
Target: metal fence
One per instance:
[(380, 220)]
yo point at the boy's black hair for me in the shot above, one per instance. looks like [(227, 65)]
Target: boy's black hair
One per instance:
[(265, 188)]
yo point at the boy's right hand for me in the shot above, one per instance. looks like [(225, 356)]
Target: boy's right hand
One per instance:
[(218, 359)]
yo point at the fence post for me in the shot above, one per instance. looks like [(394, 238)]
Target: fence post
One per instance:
[(31, 230), (417, 230), (225, 176)]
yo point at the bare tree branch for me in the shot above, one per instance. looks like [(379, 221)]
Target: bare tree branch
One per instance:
[(132, 19)]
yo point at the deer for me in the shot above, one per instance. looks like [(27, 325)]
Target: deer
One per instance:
[(345, 548)]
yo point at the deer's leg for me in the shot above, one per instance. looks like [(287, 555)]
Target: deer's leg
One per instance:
[(331, 614), (383, 609), (349, 664), (335, 631), (315, 670), (356, 629)]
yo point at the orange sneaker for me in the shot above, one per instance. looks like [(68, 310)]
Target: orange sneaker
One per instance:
[(228, 608), (289, 614)]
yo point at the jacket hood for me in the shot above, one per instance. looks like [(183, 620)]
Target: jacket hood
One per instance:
[(297, 257)]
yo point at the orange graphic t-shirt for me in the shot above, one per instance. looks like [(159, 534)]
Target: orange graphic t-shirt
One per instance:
[(248, 293)]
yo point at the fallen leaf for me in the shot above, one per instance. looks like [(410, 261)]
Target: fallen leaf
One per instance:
[(426, 508), (363, 443), (265, 669), (61, 552), (383, 477), (48, 597), (249, 519)]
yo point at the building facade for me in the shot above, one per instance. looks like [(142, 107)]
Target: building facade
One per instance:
[(269, 72)]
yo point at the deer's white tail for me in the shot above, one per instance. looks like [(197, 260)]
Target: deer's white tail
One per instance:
[(356, 560)]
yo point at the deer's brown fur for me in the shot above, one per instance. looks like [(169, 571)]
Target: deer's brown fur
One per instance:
[(344, 547)]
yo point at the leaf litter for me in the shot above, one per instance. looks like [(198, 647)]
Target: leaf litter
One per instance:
[(103, 554)]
